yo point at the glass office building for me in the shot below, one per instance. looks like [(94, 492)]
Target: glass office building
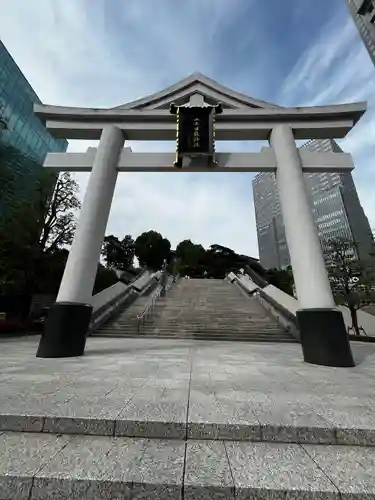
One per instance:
[(334, 202), (19, 127)]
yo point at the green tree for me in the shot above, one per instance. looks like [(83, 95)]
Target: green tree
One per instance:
[(119, 254), (220, 260), (151, 249), (189, 258), (216, 262), (57, 213), (352, 280), (282, 279), (35, 223)]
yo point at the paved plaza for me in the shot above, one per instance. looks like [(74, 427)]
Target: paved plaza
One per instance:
[(142, 418), (167, 388)]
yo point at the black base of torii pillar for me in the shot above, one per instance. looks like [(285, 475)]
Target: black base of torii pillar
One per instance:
[(324, 338), (65, 330)]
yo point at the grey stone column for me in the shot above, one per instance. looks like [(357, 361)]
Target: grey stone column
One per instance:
[(323, 334), (68, 320)]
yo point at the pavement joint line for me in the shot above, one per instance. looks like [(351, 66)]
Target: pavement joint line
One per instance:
[(320, 468), (31, 487), (184, 471), (230, 468), (188, 399), (44, 424)]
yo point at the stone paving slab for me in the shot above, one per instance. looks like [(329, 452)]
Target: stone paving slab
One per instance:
[(42, 466), (22, 456), (222, 419), (350, 468), (270, 470), (292, 422), (186, 389), (86, 415), (208, 475)]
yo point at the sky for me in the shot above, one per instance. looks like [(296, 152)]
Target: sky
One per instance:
[(105, 53)]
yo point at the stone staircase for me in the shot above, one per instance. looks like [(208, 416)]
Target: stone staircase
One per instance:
[(125, 323), (201, 309)]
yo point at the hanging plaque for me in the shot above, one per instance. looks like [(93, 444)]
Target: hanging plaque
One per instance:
[(195, 131)]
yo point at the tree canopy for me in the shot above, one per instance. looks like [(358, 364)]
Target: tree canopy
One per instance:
[(35, 225), (352, 280), (151, 249), (119, 254), (189, 258), (215, 262), (281, 278), (58, 213)]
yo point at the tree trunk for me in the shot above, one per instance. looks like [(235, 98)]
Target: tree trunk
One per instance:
[(353, 313)]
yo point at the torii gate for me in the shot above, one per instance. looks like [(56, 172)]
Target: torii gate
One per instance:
[(323, 336)]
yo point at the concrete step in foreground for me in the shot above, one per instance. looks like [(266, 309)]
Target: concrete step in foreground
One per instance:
[(167, 419), (46, 466)]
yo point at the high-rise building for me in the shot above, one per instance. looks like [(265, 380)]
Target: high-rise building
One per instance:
[(273, 249), (334, 202), (19, 127), (363, 13)]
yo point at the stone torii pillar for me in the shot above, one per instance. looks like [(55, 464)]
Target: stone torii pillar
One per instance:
[(68, 320), (323, 334)]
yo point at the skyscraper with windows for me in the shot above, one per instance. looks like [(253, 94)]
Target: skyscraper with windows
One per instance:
[(273, 249), (19, 127), (363, 13), (335, 204)]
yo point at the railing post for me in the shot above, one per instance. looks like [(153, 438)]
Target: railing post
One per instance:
[(164, 278)]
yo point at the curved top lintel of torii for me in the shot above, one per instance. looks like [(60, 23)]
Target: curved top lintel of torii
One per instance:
[(196, 83), (243, 117)]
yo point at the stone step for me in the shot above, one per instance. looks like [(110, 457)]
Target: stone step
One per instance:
[(36, 466), (228, 331), (198, 326), (211, 326), (196, 334), (228, 338), (172, 331), (40, 466), (174, 317), (201, 327), (170, 417), (190, 314), (204, 310), (217, 331), (201, 324)]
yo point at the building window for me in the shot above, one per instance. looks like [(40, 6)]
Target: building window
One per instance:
[(366, 8)]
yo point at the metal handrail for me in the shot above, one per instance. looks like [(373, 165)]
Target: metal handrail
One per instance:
[(149, 308), (115, 302)]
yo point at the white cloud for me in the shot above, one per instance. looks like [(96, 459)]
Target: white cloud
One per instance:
[(336, 68), (78, 53), (104, 53), (318, 58)]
